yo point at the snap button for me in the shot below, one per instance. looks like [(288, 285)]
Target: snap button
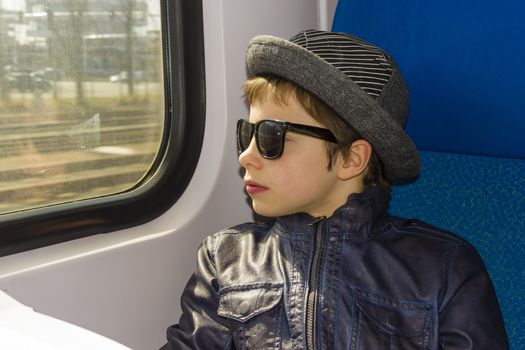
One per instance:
[(244, 307)]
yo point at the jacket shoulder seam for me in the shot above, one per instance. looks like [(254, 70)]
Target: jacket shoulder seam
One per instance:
[(429, 232), (449, 257)]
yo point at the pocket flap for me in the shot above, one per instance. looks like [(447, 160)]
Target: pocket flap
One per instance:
[(246, 301), (392, 316)]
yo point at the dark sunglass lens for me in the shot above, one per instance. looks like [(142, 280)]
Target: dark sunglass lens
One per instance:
[(270, 139), (244, 135)]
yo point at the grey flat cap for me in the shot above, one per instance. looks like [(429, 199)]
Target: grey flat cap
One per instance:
[(359, 81)]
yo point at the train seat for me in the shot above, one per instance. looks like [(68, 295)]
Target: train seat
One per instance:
[(462, 64)]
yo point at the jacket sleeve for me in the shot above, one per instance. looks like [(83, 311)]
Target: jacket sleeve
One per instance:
[(469, 316), (199, 326)]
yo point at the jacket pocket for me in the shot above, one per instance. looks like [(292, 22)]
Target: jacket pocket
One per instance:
[(385, 323), (256, 313), (241, 303)]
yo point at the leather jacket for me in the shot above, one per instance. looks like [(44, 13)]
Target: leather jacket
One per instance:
[(359, 279)]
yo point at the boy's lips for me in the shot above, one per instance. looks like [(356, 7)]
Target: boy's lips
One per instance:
[(253, 187)]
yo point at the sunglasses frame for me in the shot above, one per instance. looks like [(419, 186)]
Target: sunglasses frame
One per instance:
[(308, 130)]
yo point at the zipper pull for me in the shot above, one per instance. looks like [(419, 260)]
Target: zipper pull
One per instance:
[(317, 220)]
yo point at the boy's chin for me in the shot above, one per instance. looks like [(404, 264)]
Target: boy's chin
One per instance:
[(266, 212), (263, 212)]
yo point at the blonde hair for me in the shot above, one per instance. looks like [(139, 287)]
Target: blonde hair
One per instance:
[(280, 90)]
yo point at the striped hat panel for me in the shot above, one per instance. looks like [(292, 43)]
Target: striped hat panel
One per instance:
[(365, 64)]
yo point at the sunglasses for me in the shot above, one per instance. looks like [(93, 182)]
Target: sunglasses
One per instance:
[(270, 135)]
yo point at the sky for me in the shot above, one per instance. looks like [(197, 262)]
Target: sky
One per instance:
[(13, 4), (19, 5)]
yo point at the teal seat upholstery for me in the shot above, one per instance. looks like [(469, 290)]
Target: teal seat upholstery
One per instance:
[(481, 199), (463, 65)]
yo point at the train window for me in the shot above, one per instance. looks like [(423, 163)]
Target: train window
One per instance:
[(81, 98), (95, 99)]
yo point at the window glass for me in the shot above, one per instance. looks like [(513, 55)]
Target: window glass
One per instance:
[(81, 99)]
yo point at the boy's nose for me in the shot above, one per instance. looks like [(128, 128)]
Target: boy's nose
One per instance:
[(250, 157)]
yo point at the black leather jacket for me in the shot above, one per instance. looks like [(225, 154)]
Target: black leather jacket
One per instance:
[(360, 279)]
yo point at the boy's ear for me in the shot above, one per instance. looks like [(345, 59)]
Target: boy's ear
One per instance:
[(357, 160)]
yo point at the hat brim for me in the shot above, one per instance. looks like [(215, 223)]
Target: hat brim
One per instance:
[(276, 56)]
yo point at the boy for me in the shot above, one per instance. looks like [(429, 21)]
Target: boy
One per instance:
[(333, 270)]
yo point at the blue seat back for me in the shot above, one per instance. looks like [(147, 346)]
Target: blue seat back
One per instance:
[(462, 64)]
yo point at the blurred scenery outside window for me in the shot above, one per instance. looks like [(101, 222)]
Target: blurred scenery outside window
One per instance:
[(81, 99)]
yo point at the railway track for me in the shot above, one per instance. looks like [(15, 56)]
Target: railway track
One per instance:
[(57, 159)]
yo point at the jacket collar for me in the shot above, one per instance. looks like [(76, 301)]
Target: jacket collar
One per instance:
[(362, 214)]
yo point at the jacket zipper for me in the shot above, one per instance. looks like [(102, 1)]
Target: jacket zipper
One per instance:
[(312, 294)]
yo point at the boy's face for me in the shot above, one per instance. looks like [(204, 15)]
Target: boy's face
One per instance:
[(299, 180)]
